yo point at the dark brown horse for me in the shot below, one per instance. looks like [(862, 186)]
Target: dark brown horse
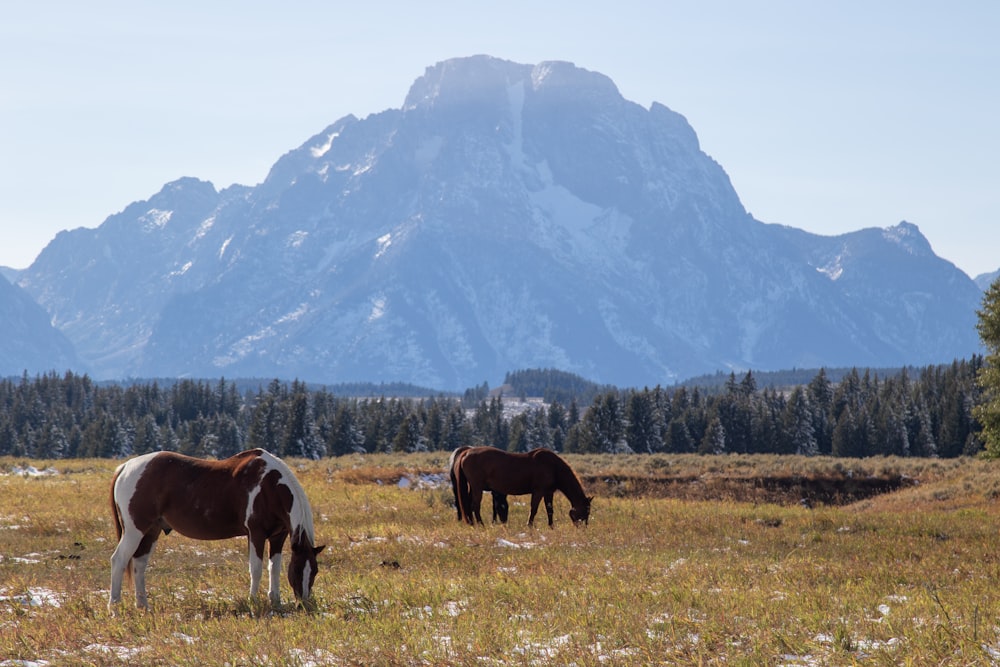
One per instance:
[(540, 472), (252, 493), (500, 505)]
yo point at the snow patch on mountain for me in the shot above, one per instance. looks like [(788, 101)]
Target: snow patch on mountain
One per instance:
[(294, 315), (383, 242), (203, 229), (321, 150), (834, 269), (378, 306), (182, 270), (155, 219)]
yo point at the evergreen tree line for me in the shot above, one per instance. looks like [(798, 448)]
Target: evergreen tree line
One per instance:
[(926, 413)]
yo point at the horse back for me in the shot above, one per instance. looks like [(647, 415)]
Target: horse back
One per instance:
[(201, 499), (510, 473)]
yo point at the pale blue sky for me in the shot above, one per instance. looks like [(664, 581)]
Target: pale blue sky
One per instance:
[(829, 117)]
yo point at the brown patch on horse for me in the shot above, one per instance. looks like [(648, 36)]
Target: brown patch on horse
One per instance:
[(272, 494), (217, 489)]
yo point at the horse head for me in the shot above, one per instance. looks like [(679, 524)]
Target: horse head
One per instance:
[(302, 568), (581, 513)]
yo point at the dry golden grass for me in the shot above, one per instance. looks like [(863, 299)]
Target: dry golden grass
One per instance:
[(907, 578)]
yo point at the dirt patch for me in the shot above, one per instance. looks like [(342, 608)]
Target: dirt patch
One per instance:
[(817, 489), (781, 490)]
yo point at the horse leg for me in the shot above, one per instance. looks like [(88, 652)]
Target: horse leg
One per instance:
[(122, 559), (275, 545), (535, 499), (500, 507), (548, 506), (465, 500), (256, 554), (476, 500), (139, 562)]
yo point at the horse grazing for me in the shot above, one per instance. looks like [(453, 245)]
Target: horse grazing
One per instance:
[(253, 493), (500, 506), (540, 472)]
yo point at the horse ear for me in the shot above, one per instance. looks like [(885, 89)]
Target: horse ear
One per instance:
[(317, 550), (590, 499)]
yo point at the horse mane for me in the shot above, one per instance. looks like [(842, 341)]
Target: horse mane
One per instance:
[(566, 477), (300, 515)]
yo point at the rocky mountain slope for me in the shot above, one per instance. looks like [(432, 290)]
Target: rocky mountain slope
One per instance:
[(506, 216), (30, 342)]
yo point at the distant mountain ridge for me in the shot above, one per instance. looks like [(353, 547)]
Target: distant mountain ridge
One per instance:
[(30, 342), (507, 216), (984, 280)]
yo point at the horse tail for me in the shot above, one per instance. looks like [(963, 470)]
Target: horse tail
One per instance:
[(453, 475), (463, 493), (117, 517)]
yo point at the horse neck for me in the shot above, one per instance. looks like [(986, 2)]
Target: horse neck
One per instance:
[(300, 518), (301, 521), (569, 483), (302, 537)]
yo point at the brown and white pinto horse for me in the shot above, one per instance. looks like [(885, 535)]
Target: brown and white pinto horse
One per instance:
[(253, 493), (540, 472), (500, 506)]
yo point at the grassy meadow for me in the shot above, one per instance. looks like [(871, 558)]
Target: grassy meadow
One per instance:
[(658, 577)]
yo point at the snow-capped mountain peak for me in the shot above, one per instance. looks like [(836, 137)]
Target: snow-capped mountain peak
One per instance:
[(506, 216)]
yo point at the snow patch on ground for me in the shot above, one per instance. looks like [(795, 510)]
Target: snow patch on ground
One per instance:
[(126, 654), (423, 481), (34, 597), (32, 471)]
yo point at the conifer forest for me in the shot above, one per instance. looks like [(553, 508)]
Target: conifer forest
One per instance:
[(923, 412)]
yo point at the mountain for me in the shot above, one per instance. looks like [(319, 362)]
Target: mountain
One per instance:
[(31, 344), (984, 280), (506, 216), (9, 274)]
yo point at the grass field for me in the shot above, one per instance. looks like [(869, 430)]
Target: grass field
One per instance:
[(659, 576)]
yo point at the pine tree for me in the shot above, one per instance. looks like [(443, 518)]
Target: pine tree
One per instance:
[(679, 439), (408, 438), (714, 441), (798, 424), (821, 400), (642, 432), (987, 411), (557, 425)]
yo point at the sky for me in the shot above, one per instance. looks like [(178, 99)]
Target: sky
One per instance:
[(829, 117)]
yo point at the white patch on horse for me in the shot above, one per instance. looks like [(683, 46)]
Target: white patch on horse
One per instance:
[(306, 576), (274, 579), (256, 565), (300, 515), (127, 480), (129, 474), (252, 495)]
